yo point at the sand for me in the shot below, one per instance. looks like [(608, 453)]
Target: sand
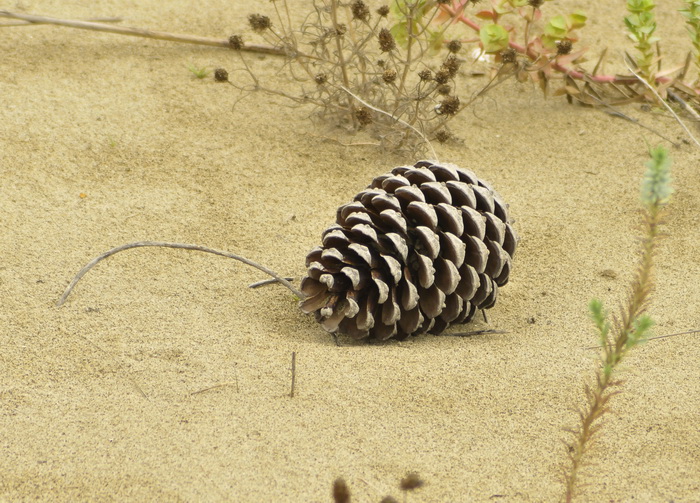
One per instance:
[(165, 378)]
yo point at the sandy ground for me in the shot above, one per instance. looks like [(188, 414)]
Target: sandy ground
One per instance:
[(165, 378)]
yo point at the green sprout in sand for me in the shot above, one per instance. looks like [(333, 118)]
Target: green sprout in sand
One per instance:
[(630, 327)]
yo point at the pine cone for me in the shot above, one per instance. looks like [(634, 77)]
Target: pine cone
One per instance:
[(421, 248)]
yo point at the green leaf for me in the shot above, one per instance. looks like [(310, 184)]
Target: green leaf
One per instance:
[(494, 38), (577, 19), (556, 28), (599, 316), (656, 186), (400, 33), (632, 22), (435, 40), (640, 332), (640, 5)]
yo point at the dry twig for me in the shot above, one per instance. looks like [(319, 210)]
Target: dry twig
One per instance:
[(141, 244), (140, 32)]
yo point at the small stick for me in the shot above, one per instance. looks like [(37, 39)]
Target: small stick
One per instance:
[(658, 337), (264, 282), (216, 386), (92, 20), (294, 373), (687, 107), (140, 244), (139, 32), (478, 332)]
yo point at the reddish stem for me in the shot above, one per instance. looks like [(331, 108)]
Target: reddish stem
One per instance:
[(576, 74)]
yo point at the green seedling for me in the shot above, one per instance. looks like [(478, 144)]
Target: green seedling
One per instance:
[(198, 72), (641, 24), (629, 328), (692, 19)]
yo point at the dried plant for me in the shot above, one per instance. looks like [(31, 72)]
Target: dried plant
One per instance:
[(394, 73), (341, 492), (629, 328), (383, 71), (411, 482)]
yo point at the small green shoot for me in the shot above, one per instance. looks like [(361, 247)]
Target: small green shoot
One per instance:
[(198, 72), (692, 19), (630, 327), (641, 24)]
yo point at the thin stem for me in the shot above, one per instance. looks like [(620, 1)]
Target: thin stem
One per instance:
[(341, 56), (400, 121), (627, 331), (184, 246), (139, 32), (643, 81), (576, 74), (407, 64), (92, 20)]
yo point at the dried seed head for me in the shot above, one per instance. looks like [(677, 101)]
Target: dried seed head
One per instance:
[(360, 10), (341, 493), (410, 482), (444, 89), (220, 75), (535, 3), (383, 11), (321, 78), (363, 116), (389, 499), (442, 76), (509, 55), (259, 22), (454, 46), (443, 136), (235, 42), (381, 63), (451, 64), (386, 40), (564, 46), (340, 29), (425, 75), (448, 106), (389, 76)]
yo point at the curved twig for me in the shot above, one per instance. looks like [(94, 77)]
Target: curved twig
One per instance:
[(184, 246)]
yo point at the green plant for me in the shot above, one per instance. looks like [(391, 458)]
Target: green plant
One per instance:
[(529, 48), (198, 72), (692, 16), (630, 327), (641, 24)]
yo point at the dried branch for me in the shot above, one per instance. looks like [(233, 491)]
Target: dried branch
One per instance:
[(141, 244), (140, 32)]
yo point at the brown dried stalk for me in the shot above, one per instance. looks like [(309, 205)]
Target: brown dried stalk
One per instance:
[(141, 244), (139, 32)]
